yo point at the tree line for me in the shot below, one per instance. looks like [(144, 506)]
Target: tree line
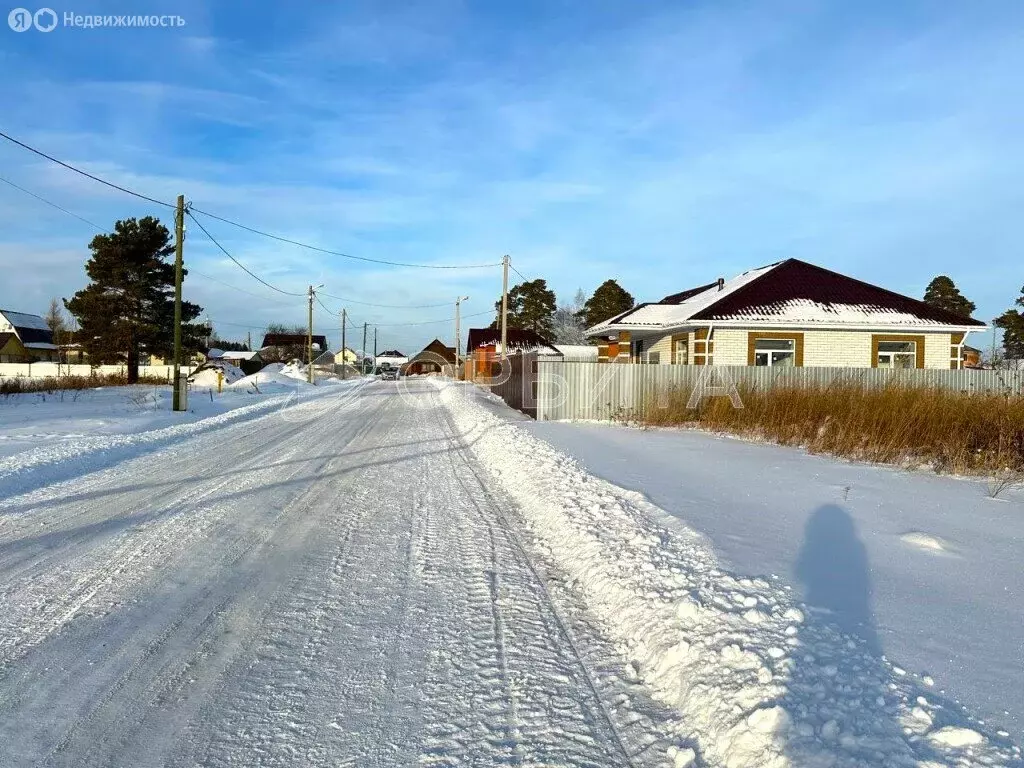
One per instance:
[(127, 309)]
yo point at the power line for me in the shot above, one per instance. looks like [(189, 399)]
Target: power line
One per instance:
[(240, 264), (429, 322), (79, 171), (318, 249), (389, 306), (92, 224), (247, 228), (518, 272)]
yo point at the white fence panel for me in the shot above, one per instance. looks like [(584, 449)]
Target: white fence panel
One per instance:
[(578, 390), (55, 371)]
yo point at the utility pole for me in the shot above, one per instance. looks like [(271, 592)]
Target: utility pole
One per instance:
[(344, 373), (179, 234), (364, 348), (375, 346), (458, 334), (248, 340), (504, 307), (309, 338)]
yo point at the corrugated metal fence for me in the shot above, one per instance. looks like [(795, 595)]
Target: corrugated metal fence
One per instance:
[(55, 371), (551, 389)]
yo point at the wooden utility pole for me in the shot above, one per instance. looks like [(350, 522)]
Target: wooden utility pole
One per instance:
[(504, 307), (179, 236), (309, 337), (364, 348), (458, 334), (344, 373), (375, 347)]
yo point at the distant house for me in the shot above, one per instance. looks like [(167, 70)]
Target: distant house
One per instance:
[(392, 358), (291, 346), (25, 338), (790, 313), (348, 356), (484, 348), (433, 358)]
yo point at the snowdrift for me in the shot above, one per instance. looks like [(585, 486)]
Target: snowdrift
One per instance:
[(206, 376), (758, 680)]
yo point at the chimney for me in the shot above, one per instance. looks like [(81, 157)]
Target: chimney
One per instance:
[(721, 283)]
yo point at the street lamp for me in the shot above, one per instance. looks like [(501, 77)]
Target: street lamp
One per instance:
[(458, 333)]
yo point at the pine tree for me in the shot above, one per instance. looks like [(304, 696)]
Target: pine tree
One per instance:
[(1012, 324), (943, 293), (128, 308), (609, 299), (531, 305)]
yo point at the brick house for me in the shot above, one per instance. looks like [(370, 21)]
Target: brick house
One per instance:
[(790, 313)]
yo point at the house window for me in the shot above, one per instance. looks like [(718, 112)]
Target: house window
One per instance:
[(637, 351), (775, 352), (680, 351), (897, 354), (654, 358)]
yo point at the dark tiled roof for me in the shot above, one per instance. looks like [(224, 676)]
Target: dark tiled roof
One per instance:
[(35, 335), (518, 338), (292, 339), (679, 298), (795, 280), (433, 350), (390, 353)]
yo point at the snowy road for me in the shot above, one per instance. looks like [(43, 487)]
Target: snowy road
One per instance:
[(331, 585)]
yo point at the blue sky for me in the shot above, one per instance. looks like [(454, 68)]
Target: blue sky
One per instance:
[(662, 144)]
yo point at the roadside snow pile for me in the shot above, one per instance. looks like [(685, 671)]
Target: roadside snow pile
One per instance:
[(275, 377), (207, 375), (758, 680)]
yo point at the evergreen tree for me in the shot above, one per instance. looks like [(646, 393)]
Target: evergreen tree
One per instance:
[(943, 293), (128, 308), (1012, 324), (531, 305), (609, 299)]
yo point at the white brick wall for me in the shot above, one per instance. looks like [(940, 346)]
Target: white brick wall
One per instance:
[(848, 349)]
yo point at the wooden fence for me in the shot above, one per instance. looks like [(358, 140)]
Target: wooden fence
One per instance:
[(554, 389)]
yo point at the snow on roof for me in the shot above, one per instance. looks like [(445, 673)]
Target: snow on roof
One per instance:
[(24, 320), (660, 314), (234, 354), (791, 292)]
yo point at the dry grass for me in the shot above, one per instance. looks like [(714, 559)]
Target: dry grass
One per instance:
[(950, 431), (15, 386)]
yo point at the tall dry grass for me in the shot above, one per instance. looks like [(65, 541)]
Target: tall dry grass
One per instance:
[(950, 431), (16, 386)]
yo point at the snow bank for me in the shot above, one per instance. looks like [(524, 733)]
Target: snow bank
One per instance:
[(759, 681), (207, 375)]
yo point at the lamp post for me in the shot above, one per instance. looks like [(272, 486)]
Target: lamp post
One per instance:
[(458, 333)]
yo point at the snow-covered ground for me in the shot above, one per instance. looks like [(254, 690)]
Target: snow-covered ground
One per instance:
[(924, 568), (327, 584), (399, 573)]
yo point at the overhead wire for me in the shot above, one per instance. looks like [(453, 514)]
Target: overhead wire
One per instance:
[(85, 173), (244, 268), (233, 223)]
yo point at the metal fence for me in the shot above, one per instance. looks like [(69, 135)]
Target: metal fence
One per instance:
[(553, 389), (56, 371)]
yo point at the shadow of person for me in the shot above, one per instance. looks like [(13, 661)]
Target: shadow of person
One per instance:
[(833, 568), (844, 704)]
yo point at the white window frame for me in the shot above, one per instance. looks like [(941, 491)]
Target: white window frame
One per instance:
[(771, 353), (891, 355)]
